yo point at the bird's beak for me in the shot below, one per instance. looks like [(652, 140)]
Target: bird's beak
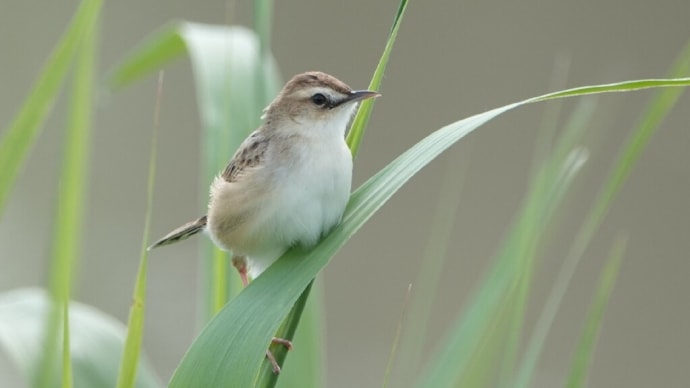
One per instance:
[(359, 95)]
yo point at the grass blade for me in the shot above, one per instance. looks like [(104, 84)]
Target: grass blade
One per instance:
[(354, 137), (359, 124), (231, 347), (480, 333), (552, 182), (306, 366), (71, 199), (585, 349), (25, 127), (155, 51), (425, 287), (649, 123), (396, 339), (135, 325)]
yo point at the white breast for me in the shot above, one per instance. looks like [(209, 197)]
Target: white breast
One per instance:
[(313, 194), (309, 200)]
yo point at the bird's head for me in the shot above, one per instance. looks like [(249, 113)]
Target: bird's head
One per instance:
[(315, 101)]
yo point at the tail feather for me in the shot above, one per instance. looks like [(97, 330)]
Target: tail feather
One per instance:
[(187, 230)]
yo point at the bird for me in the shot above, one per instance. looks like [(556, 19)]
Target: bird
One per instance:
[(289, 181)]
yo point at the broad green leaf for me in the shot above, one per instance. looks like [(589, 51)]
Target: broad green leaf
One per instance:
[(96, 340), (23, 130), (71, 199), (231, 347)]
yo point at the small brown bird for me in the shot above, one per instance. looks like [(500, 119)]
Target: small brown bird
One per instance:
[(289, 181)]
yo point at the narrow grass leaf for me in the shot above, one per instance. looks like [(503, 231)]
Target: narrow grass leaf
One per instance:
[(306, 365), (543, 148), (585, 349), (231, 347), (266, 377), (359, 124), (480, 336), (396, 340), (150, 55), (649, 122), (67, 376), (625, 86), (552, 182), (432, 263), (357, 128), (23, 130), (71, 200), (96, 340), (263, 16), (135, 325)]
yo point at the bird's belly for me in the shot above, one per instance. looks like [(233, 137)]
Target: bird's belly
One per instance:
[(303, 203), (311, 202)]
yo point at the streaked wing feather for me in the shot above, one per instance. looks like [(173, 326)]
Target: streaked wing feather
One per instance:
[(250, 154), (185, 231)]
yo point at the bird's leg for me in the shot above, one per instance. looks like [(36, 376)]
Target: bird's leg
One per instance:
[(282, 341), (271, 357), (240, 263)]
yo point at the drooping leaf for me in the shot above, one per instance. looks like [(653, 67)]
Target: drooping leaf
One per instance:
[(96, 340)]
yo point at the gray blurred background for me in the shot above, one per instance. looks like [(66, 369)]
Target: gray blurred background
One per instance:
[(452, 59)]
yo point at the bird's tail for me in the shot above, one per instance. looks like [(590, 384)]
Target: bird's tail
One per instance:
[(187, 230)]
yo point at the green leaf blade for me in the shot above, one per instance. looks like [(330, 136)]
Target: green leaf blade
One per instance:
[(70, 203), (25, 127), (359, 123), (157, 50), (585, 349), (232, 345), (135, 325), (96, 340)]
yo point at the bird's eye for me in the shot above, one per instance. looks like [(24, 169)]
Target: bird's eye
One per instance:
[(319, 99)]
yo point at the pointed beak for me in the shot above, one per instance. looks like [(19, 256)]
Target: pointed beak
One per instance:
[(359, 95)]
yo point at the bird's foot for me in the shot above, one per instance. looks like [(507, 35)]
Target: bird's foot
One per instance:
[(271, 358)]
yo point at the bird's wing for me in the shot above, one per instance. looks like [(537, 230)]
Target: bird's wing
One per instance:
[(251, 153)]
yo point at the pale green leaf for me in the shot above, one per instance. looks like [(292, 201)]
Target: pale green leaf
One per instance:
[(231, 347), (25, 127), (96, 340), (585, 349), (71, 201)]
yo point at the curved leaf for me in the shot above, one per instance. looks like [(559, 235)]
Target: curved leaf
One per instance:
[(96, 340), (231, 347)]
